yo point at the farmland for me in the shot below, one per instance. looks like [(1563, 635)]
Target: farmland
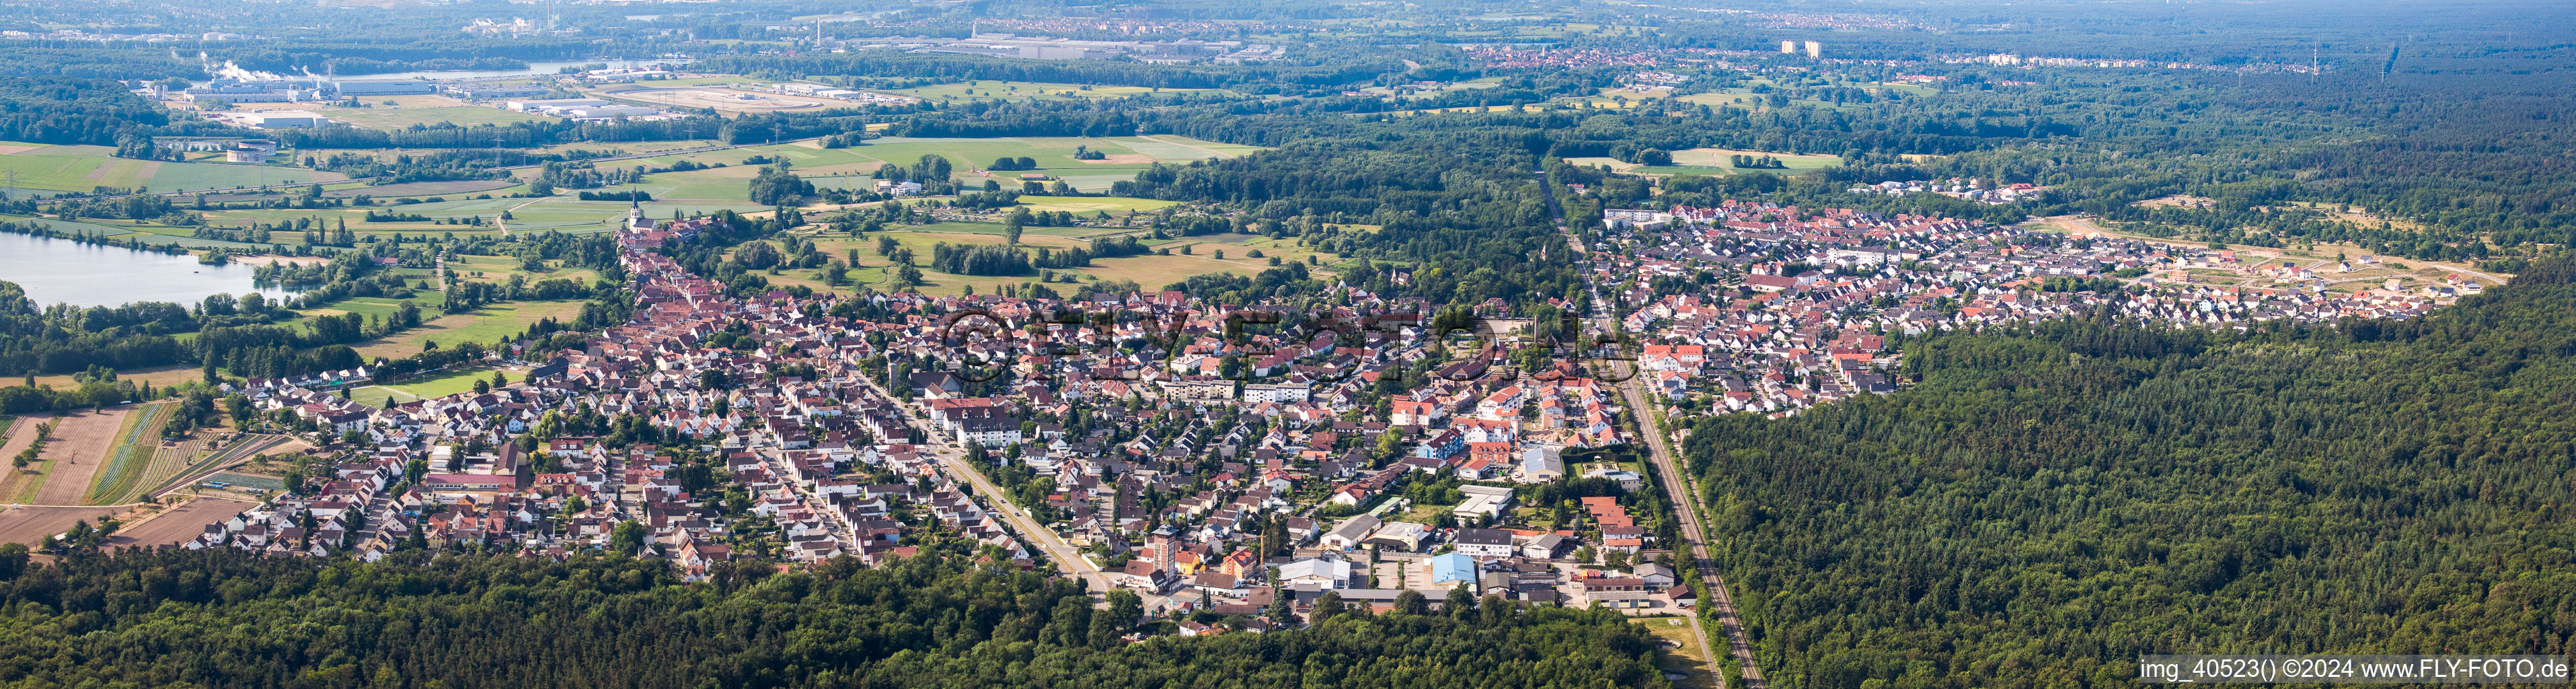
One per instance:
[(1053, 157), (179, 461), (26, 524), (133, 446), (82, 168), (1149, 271), (498, 269), (176, 524), (716, 98), (81, 443), (452, 206), (489, 324), (1085, 205), (159, 376), (1022, 91)]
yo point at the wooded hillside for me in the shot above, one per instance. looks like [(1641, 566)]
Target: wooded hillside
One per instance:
[(2047, 505), (226, 619)]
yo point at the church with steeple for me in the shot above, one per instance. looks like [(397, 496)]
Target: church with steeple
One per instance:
[(635, 220)]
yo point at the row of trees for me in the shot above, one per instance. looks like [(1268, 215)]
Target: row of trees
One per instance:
[(939, 619)]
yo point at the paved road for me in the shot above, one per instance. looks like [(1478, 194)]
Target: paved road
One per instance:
[(1676, 487), (1068, 559), (842, 530)]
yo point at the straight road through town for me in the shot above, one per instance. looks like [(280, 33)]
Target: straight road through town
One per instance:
[(1068, 559), (1685, 507)]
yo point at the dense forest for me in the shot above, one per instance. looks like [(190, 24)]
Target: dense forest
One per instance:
[(65, 110), (2050, 502), (941, 619)]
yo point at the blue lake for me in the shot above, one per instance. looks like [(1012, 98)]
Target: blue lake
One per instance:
[(63, 271)]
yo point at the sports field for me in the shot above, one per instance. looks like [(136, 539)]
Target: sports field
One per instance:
[(431, 387)]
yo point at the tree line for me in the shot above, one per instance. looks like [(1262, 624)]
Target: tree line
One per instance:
[(943, 618), (2050, 501)]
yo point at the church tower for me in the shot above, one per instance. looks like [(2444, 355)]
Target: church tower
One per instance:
[(635, 219)]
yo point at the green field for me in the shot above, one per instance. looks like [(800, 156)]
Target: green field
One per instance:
[(82, 168), (1151, 271), (492, 323), (1715, 161), (849, 167), (1181, 147), (435, 386), (564, 211), (498, 269)]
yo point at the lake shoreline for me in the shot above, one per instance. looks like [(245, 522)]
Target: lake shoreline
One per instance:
[(53, 271)]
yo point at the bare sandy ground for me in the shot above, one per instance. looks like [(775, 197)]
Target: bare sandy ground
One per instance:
[(31, 524), (177, 524), (20, 434), (79, 448)]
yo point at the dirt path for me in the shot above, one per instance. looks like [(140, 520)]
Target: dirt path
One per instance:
[(79, 448)]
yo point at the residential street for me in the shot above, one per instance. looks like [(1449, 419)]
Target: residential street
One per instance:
[(1676, 486), (1068, 559)]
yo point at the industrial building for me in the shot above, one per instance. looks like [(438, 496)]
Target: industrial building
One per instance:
[(250, 151), (483, 91), (302, 90), (602, 112), (540, 106), (281, 119), (389, 87)]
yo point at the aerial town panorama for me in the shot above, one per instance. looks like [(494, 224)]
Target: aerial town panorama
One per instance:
[(798, 343)]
